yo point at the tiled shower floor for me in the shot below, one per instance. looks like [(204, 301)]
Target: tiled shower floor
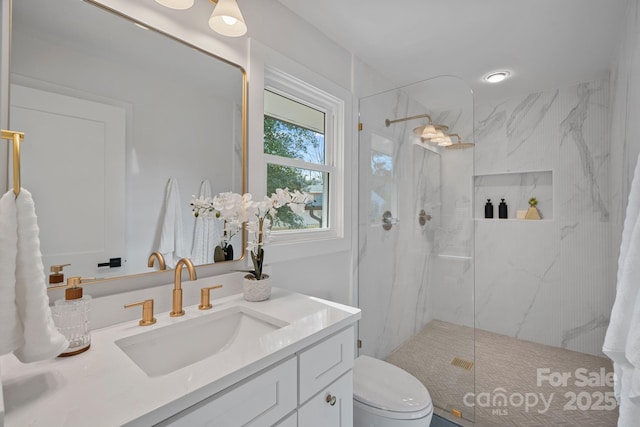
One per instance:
[(517, 383)]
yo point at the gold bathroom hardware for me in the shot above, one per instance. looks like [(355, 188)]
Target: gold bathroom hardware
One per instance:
[(177, 285), (147, 312), (426, 131), (462, 363), (388, 122), (205, 297), (459, 144), (157, 255), (16, 137), (423, 217)]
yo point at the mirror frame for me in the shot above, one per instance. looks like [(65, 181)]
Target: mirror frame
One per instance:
[(137, 280)]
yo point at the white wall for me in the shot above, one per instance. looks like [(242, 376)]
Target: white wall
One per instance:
[(625, 126)]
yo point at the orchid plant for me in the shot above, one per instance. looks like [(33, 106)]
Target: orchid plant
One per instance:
[(262, 213), (225, 206), (236, 209)]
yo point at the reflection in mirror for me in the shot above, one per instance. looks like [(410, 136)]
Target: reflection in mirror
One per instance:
[(124, 125)]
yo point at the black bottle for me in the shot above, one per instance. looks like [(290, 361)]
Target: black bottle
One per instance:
[(488, 209), (502, 209)]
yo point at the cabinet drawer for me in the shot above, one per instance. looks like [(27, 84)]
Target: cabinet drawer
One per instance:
[(333, 406), (321, 364), (261, 401)]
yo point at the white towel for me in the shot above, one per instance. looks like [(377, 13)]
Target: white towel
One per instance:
[(205, 233), (32, 322), (171, 240), (622, 341), (10, 327)]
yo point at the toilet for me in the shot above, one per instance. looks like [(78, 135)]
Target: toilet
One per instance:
[(387, 396)]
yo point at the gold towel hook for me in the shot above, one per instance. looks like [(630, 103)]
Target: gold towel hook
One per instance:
[(16, 137)]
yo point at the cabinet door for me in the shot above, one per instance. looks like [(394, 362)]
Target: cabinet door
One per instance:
[(324, 362), (333, 406), (261, 401), (290, 421)]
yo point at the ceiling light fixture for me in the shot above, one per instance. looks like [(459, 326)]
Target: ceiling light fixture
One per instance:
[(226, 18), (176, 4), (497, 77)]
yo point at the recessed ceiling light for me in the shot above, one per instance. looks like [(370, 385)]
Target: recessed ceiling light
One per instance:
[(497, 77)]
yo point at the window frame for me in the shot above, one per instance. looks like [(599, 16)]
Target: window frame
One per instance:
[(284, 84)]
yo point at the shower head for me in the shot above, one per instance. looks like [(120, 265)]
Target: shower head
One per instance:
[(425, 132), (430, 128), (459, 145)]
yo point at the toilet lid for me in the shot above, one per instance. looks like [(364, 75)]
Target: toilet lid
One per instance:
[(384, 386)]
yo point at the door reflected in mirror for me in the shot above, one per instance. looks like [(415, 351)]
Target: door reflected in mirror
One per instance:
[(123, 127)]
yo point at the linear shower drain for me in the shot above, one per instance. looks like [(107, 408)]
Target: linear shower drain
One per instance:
[(461, 363)]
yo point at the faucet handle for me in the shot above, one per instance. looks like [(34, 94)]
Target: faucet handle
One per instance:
[(147, 311), (205, 295)]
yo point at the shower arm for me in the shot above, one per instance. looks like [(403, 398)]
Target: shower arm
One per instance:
[(388, 122)]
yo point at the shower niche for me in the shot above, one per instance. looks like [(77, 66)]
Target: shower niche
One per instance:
[(516, 188)]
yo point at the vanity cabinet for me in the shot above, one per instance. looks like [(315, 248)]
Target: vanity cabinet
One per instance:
[(312, 388), (333, 406), (260, 401)]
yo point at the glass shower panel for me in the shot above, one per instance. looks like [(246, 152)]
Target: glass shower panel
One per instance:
[(416, 238)]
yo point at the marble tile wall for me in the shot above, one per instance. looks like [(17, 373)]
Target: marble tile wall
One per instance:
[(548, 281), (397, 267)]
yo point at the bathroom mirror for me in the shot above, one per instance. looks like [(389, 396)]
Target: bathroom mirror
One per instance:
[(123, 125)]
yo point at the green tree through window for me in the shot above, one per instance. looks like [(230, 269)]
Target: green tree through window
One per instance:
[(288, 140)]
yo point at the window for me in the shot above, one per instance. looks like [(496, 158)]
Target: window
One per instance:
[(295, 152), (304, 150)]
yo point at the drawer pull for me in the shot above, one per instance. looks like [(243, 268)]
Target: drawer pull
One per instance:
[(331, 400)]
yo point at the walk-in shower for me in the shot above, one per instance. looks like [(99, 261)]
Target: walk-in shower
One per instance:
[(420, 269), (483, 311)]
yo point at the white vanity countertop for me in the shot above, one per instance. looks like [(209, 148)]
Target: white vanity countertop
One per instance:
[(103, 387)]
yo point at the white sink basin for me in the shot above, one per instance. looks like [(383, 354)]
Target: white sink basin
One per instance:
[(169, 348)]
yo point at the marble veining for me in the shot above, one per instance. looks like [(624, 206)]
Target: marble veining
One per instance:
[(563, 287), (525, 118), (543, 281), (572, 129)]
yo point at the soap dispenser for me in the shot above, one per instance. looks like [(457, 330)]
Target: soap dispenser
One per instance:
[(488, 209), (57, 276), (71, 317), (502, 209)]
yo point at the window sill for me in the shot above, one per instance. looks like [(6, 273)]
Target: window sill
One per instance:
[(304, 248)]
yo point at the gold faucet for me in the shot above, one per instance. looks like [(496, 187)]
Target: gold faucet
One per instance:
[(160, 258), (177, 285), (147, 312)]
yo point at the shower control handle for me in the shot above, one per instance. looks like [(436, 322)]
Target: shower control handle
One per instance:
[(423, 217), (388, 220)]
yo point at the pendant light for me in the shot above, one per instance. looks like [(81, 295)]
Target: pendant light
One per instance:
[(227, 19), (176, 4)]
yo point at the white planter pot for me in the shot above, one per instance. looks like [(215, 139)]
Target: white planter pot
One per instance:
[(256, 290)]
